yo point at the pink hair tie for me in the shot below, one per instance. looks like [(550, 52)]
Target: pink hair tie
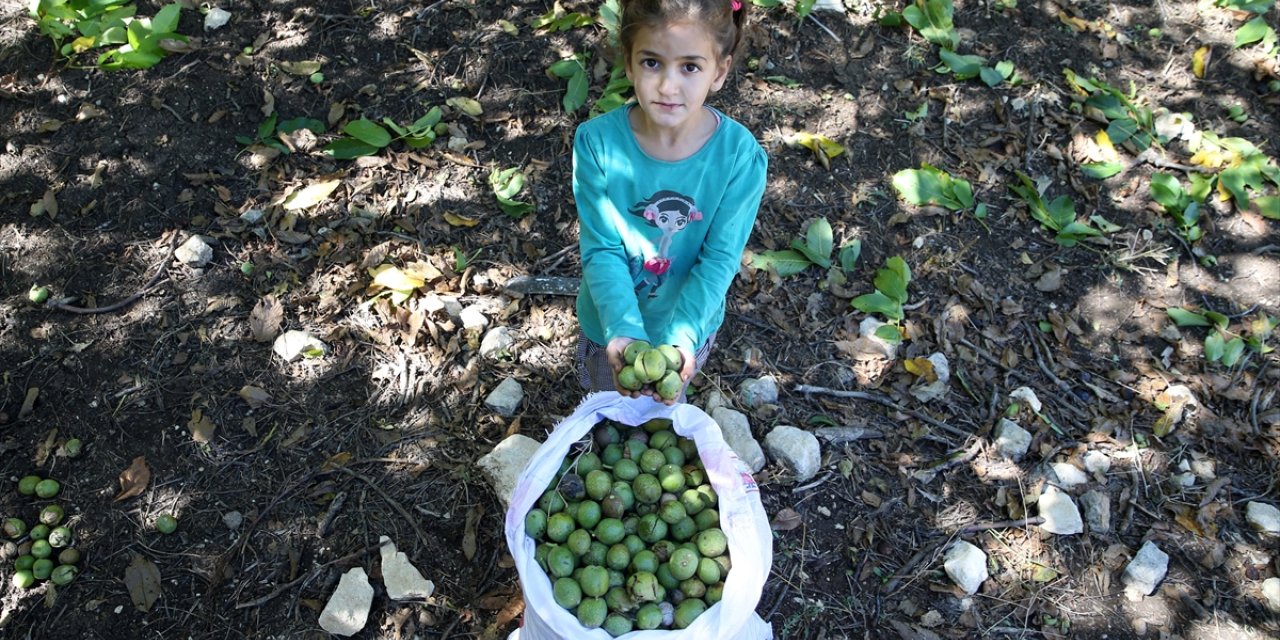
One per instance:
[(736, 4)]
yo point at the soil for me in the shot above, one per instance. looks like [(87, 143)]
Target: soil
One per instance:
[(381, 434)]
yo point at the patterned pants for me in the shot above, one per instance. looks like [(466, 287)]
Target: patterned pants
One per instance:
[(595, 374)]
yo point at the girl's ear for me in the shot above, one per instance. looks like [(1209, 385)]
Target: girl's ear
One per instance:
[(722, 72)]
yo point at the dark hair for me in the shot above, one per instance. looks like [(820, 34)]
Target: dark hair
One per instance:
[(719, 17)]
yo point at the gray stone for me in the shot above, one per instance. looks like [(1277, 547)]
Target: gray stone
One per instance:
[(253, 216), (1061, 517), (1145, 571), (348, 607), (233, 519), (1012, 440), (432, 303), (755, 392), (1097, 511), (497, 343), (293, 344), (1027, 395), (503, 465), (966, 565), (473, 318), (1271, 592), (1069, 475), (711, 399), (737, 434), (1263, 517), (505, 399), (796, 448), (195, 252), (1097, 463), (403, 580)]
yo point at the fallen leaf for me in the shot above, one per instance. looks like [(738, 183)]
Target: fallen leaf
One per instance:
[(29, 403), (311, 195), (336, 461), (201, 427), (254, 396), (46, 205), (134, 480), (45, 448), (265, 319), (469, 106), (921, 368), (1200, 60), (142, 577), (301, 67), (469, 533), (823, 148), (88, 111), (459, 220), (785, 520), (49, 126)]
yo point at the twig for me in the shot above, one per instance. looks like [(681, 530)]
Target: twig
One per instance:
[(824, 28), (1007, 524), (331, 514), (413, 522), (892, 585), (160, 272), (1253, 404), (1044, 368), (881, 400), (310, 574)]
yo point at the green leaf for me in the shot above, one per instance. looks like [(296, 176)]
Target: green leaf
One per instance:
[(1005, 68), (1268, 206), (785, 263), (899, 266), (1104, 225), (1121, 129), (427, 121), (783, 80), (267, 127), (818, 238), (932, 18), (294, 124), (991, 77), (810, 254), (1219, 320), (576, 95), (565, 69), (1110, 105), (877, 302), (980, 212), (1252, 31), (1201, 186), (1232, 352), (921, 186), (849, 255), (1166, 190), (1185, 318), (1101, 170), (1062, 212), (964, 67), (368, 132), (963, 192), (889, 333), (166, 20), (349, 148), (1214, 347)]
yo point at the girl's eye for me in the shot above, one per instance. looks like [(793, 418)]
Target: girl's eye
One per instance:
[(649, 63), (690, 67)]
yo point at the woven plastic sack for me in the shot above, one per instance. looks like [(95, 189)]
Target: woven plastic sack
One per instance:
[(742, 518)]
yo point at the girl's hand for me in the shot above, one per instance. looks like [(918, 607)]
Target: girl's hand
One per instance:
[(687, 369), (613, 351)]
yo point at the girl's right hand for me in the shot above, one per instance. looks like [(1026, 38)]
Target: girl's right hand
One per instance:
[(613, 351)]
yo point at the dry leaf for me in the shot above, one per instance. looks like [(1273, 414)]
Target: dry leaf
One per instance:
[(301, 67), (47, 204), (49, 126), (469, 534), (29, 403), (134, 480), (336, 461), (265, 319), (142, 577), (921, 368), (254, 396), (1200, 61), (45, 448), (201, 427), (459, 220), (310, 195), (785, 520)]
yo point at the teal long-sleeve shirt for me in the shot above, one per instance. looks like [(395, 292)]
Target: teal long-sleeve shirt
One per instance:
[(661, 241)]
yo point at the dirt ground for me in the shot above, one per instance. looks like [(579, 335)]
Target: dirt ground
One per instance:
[(284, 475)]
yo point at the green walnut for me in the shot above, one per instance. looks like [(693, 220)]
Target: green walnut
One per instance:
[(166, 524), (27, 485), (47, 488), (633, 351)]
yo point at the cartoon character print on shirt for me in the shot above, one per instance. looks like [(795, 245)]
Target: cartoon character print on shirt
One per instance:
[(670, 212)]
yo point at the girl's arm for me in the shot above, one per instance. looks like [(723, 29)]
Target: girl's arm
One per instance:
[(720, 255)]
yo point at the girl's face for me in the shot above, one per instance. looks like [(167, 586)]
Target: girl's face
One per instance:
[(673, 68)]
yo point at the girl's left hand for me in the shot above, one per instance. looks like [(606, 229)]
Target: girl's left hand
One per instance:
[(687, 369)]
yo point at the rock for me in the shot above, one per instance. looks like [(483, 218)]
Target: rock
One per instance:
[(1271, 592), (1061, 517), (841, 435), (1097, 511), (1027, 395), (195, 252), (938, 388), (1069, 475), (867, 331), (1012, 440), (1097, 463), (403, 580), (505, 399), (292, 344), (1204, 468), (966, 565), (711, 399), (232, 520), (432, 303), (796, 448), (503, 465), (755, 392), (253, 216), (1050, 280), (496, 343), (1145, 571), (737, 434), (348, 607), (1263, 517), (473, 318)]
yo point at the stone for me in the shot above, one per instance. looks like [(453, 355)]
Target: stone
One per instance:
[(1028, 396), (755, 392), (432, 303), (403, 580), (1263, 517), (1061, 517), (1097, 511), (1145, 571), (294, 343), (711, 399), (348, 607), (796, 448), (503, 465), (867, 331), (939, 387), (473, 318), (195, 252), (1097, 463), (966, 565), (1271, 593), (253, 216), (737, 434), (1012, 440), (1204, 468), (232, 520), (505, 399), (496, 343), (1069, 475)]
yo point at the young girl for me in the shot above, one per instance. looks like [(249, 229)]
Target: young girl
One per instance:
[(667, 190)]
